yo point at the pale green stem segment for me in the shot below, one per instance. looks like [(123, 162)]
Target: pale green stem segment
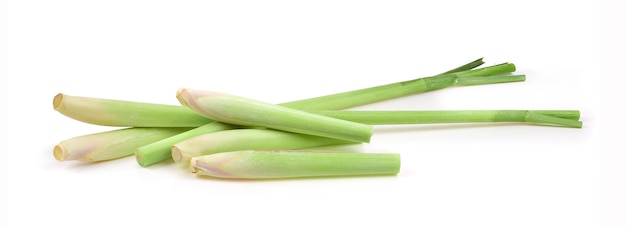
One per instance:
[(246, 139), (125, 113), (111, 144), (161, 150), (243, 111), (566, 118), (251, 164)]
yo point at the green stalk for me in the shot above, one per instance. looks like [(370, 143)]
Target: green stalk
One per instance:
[(111, 144), (566, 118), (265, 139), (243, 111), (290, 164), (108, 112), (161, 150), (246, 139)]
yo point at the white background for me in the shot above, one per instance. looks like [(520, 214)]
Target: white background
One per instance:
[(467, 175)]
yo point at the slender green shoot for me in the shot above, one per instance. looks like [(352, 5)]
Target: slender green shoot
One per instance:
[(292, 164), (565, 118), (243, 111)]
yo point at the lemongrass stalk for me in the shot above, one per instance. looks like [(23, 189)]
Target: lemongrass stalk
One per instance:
[(111, 144), (243, 111), (263, 139), (160, 150), (566, 118), (246, 139), (109, 112), (251, 164)]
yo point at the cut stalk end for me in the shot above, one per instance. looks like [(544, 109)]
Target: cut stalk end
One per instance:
[(177, 154), (56, 102), (59, 152), (139, 159), (192, 165)]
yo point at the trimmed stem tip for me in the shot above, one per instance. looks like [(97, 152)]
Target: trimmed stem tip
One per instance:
[(252, 164), (59, 153), (247, 112)]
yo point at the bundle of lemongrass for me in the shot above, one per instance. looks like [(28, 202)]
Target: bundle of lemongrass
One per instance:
[(228, 136)]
